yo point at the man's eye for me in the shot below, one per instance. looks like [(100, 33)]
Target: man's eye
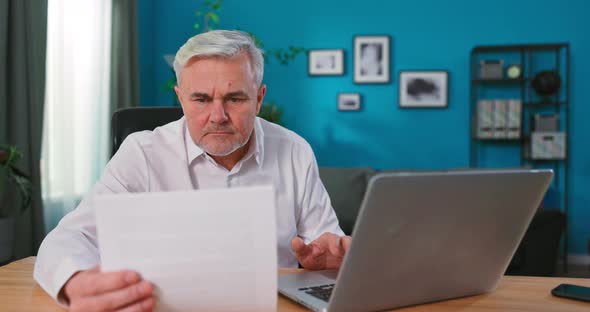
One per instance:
[(200, 100), (236, 100)]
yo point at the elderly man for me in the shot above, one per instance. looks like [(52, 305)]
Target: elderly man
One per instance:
[(219, 143)]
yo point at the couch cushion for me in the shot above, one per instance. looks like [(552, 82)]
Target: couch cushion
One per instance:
[(346, 187)]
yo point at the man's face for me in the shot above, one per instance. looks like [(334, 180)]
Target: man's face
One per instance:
[(220, 100)]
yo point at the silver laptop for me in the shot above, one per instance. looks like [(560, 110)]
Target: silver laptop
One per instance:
[(424, 237)]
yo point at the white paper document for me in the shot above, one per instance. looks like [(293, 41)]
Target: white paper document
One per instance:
[(206, 250)]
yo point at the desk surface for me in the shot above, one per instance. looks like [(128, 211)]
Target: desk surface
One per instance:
[(19, 292)]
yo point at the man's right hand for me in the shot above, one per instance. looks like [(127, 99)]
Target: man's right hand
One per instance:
[(93, 290)]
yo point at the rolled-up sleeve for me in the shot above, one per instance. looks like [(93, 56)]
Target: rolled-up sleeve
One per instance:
[(316, 213)]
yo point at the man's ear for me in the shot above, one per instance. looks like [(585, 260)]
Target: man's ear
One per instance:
[(260, 97), (177, 90)]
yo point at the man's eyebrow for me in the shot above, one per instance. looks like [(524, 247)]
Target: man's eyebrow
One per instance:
[(200, 95), (236, 94)]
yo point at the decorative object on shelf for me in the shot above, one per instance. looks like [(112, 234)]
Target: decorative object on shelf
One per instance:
[(485, 119), (491, 69), (546, 122), (513, 128), (371, 59), (514, 71), (548, 145), (546, 83), (349, 101), (499, 119), (325, 62), (423, 89)]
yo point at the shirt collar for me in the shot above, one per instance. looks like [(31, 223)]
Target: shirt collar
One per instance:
[(259, 141), (256, 145), (192, 150)]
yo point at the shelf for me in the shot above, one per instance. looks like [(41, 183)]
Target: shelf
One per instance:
[(517, 47), (545, 104), (499, 140), (558, 58), (498, 81), (545, 160)]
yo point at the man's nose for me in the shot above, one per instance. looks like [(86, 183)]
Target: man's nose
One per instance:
[(218, 113)]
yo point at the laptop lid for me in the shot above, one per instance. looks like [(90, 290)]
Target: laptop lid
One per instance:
[(423, 237)]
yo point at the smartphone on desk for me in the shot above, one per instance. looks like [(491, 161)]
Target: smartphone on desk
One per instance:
[(572, 292)]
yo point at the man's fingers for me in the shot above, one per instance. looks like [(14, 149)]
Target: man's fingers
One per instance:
[(298, 246), (316, 250), (146, 304), (326, 251), (99, 283), (334, 247), (345, 243), (121, 298)]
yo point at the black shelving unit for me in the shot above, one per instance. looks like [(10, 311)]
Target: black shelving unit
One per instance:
[(531, 104)]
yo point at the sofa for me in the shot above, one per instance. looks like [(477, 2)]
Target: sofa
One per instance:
[(536, 255)]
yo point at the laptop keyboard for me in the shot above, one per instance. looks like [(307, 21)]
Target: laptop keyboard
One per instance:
[(321, 292)]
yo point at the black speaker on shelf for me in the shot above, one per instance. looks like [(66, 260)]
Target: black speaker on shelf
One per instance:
[(546, 83)]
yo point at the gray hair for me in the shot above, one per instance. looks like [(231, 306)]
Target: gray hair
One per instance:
[(223, 44)]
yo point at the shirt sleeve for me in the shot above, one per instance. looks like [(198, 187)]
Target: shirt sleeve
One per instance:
[(316, 213), (72, 246)]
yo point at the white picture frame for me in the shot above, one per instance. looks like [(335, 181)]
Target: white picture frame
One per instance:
[(372, 56), (423, 88), (325, 62), (349, 101)]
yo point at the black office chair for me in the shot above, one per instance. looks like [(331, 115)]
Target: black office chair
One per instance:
[(539, 249), (128, 120)]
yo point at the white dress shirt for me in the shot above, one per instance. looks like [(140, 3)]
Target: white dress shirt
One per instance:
[(166, 159)]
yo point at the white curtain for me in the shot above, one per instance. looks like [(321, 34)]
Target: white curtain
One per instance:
[(76, 129)]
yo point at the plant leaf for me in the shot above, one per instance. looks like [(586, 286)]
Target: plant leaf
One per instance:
[(271, 112), (9, 172), (25, 189), (214, 17)]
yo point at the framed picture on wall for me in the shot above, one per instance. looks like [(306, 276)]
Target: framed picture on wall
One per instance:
[(423, 89), (371, 59), (349, 101), (325, 62)]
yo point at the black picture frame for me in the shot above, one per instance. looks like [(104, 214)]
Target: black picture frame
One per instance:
[(372, 59), (423, 89), (325, 62), (349, 102)]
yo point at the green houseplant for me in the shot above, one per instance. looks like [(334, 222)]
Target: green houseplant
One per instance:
[(208, 19), (11, 178)]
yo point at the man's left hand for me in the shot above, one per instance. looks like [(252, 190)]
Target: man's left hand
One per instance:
[(326, 252)]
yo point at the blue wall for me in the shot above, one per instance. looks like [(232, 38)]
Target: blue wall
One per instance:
[(426, 34)]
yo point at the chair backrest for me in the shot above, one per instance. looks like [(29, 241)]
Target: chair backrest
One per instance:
[(128, 120)]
